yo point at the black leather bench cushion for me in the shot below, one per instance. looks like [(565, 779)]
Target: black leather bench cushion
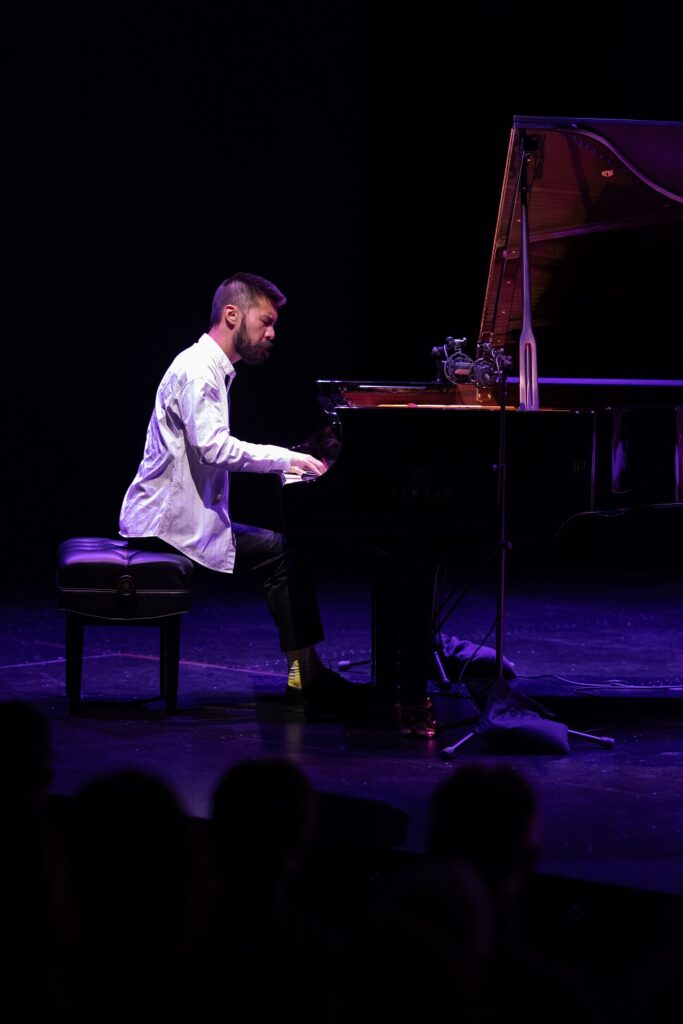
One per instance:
[(105, 578)]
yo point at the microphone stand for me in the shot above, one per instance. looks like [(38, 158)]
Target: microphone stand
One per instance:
[(502, 365), (492, 367)]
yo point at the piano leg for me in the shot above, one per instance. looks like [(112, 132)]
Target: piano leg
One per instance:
[(402, 637)]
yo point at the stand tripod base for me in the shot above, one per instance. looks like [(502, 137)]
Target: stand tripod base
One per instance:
[(448, 753), (602, 741)]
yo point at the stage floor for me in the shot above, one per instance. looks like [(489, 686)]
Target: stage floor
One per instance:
[(603, 652)]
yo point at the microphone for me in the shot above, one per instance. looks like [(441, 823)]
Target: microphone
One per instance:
[(456, 367), (483, 374), (455, 364), (490, 365)]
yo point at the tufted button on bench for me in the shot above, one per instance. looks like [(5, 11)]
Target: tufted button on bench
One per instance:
[(105, 581)]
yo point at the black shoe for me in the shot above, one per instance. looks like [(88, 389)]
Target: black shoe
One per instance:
[(328, 694)]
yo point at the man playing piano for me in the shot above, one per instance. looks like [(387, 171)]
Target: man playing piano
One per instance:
[(179, 499)]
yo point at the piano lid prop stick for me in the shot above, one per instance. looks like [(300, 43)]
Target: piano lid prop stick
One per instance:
[(528, 372)]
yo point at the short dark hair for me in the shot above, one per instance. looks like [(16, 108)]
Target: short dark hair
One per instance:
[(244, 291)]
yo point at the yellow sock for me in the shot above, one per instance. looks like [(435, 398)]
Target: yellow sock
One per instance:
[(294, 674), (303, 666)]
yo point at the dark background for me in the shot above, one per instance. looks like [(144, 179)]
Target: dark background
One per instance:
[(351, 152)]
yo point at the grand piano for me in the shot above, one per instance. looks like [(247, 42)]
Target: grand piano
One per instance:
[(569, 405)]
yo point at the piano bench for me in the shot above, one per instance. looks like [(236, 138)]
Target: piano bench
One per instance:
[(102, 581)]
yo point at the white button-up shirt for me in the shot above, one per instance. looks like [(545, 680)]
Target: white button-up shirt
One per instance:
[(181, 489)]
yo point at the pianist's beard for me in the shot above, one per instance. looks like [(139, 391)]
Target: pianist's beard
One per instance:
[(252, 352)]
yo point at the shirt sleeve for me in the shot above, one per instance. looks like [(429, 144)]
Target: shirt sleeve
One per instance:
[(205, 424)]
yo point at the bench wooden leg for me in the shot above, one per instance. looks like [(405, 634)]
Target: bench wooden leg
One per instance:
[(74, 659), (169, 658)]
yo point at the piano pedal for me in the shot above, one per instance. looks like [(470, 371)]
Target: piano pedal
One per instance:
[(418, 719)]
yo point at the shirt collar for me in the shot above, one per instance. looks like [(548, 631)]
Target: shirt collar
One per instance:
[(218, 354)]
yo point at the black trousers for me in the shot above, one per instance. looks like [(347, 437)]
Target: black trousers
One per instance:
[(289, 586)]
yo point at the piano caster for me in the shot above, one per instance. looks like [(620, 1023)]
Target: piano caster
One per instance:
[(418, 719)]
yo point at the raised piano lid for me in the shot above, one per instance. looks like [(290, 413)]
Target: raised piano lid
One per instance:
[(605, 249)]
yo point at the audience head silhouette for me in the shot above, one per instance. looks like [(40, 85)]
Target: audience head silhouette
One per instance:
[(133, 887), (132, 858), (25, 755), (421, 951), (487, 815), (264, 813)]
